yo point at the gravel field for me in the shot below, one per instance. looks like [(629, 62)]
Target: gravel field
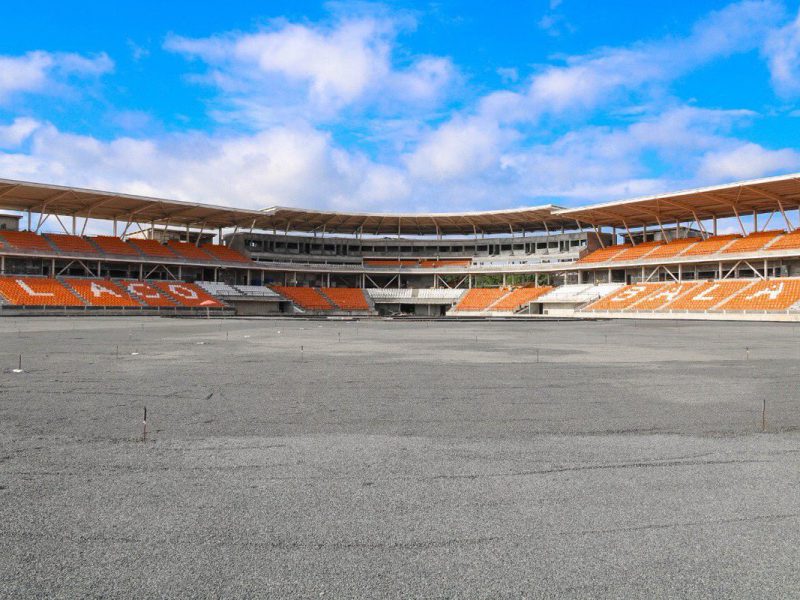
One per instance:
[(292, 458)]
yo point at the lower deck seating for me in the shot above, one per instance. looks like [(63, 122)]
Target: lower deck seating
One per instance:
[(445, 262), (37, 291), (479, 299), (101, 292), (187, 294), (708, 294), (305, 297), (774, 294), (347, 298), (518, 298), (664, 296), (146, 293), (388, 262), (625, 297)]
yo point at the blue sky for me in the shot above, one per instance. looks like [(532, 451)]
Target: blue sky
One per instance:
[(407, 106)]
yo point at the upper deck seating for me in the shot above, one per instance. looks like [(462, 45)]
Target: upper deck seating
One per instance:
[(707, 295), (604, 254), (347, 298), (101, 292), (767, 295), (74, 244), (305, 297), (445, 262), (638, 251), (711, 245), (478, 299), (146, 293), (790, 241), (625, 297), (519, 298), (110, 244), (189, 251), (753, 242), (663, 297), (187, 294), (388, 262), (26, 240), (152, 248), (224, 253), (672, 248), (37, 291)]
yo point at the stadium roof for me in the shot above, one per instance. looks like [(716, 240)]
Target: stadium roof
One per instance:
[(722, 201)]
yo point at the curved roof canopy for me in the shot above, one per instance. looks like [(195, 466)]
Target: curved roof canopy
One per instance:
[(777, 194)]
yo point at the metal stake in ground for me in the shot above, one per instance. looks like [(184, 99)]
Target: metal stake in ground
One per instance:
[(747, 353), (144, 425), (764, 415), (19, 368)]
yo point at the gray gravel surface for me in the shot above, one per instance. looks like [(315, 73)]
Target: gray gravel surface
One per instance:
[(398, 459)]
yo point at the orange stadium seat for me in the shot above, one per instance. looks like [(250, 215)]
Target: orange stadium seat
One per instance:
[(187, 294), (37, 291), (146, 293), (189, 251), (753, 242), (305, 297), (374, 262), (26, 240), (771, 294), (638, 251), (672, 248), (101, 292), (114, 245), (151, 248), (71, 243), (224, 253), (519, 298), (708, 294), (347, 298), (604, 254), (790, 241), (625, 297), (480, 298), (711, 245), (661, 299)]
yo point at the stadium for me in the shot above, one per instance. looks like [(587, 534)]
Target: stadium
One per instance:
[(654, 257), (400, 300)]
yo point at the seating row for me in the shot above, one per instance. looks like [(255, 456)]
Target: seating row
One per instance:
[(719, 244), (325, 299), (73, 291), (745, 295), (414, 262), (50, 243)]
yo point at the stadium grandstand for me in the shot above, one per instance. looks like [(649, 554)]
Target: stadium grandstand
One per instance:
[(729, 251)]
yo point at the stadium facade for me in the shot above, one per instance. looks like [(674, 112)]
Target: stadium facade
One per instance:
[(729, 251)]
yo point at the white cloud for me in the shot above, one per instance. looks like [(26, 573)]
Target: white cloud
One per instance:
[(326, 67), (13, 135), (747, 161), (41, 71), (782, 50)]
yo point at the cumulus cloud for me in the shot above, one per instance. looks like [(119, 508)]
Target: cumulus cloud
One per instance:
[(747, 160), (40, 71), (327, 67), (782, 50)]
